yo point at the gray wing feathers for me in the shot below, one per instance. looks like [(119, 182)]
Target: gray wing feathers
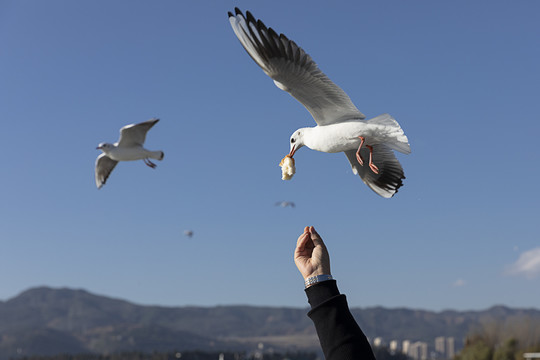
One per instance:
[(104, 167), (390, 176), (293, 70), (135, 134)]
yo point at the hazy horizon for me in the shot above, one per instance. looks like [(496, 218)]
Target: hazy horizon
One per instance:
[(462, 232)]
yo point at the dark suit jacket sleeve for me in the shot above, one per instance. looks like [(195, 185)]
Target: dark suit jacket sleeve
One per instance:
[(340, 336)]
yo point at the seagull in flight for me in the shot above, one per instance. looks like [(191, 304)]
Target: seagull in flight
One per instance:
[(128, 148), (341, 127), (285, 204)]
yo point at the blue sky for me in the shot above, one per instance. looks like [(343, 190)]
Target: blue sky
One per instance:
[(460, 77)]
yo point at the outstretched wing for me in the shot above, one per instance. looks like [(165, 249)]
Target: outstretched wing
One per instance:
[(135, 134), (104, 167), (390, 176), (293, 70)]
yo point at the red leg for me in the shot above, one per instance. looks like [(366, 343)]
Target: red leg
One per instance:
[(358, 156), (371, 164), (149, 163)]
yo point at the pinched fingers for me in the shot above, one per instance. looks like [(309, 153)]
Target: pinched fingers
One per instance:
[(315, 237), (302, 240)]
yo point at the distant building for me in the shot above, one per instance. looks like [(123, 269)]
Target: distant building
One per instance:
[(445, 347), (423, 350), (394, 347), (450, 347), (405, 344), (440, 345), (418, 350)]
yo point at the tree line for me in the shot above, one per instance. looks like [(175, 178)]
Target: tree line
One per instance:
[(508, 340)]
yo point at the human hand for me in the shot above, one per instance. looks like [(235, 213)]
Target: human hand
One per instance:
[(311, 256)]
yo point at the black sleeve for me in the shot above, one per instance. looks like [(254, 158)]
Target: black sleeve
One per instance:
[(340, 336)]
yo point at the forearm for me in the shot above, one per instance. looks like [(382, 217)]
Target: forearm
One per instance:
[(340, 336)]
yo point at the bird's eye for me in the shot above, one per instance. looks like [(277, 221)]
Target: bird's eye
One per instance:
[(293, 140)]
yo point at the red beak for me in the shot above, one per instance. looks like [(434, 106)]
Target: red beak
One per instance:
[(291, 154)]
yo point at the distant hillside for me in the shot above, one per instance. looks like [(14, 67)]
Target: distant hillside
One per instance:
[(48, 321)]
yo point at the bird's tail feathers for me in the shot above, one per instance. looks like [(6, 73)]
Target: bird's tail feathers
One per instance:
[(400, 142), (158, 155)]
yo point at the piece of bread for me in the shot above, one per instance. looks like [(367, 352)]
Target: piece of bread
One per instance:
[(287, 168)]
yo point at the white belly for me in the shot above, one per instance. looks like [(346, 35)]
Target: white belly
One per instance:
[(337, 137), (346, 136), (128, 154)]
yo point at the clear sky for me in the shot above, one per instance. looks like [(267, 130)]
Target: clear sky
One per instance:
[(461, 77)]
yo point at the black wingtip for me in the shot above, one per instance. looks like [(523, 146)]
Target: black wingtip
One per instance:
[(391, 181), (272, 32), (250, 17), (237, 12)]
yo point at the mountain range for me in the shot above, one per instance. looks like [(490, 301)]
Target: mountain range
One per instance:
[(48, 321)]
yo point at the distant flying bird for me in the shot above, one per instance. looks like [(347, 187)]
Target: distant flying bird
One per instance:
[(129, 147), (285, 204), (341, 127), (188, 233)]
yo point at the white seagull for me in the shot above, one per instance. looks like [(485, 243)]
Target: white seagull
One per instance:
[(285, 204), (129, 147), (341, 127)]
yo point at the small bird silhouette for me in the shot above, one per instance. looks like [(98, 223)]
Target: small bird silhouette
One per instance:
[(285, 204)]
